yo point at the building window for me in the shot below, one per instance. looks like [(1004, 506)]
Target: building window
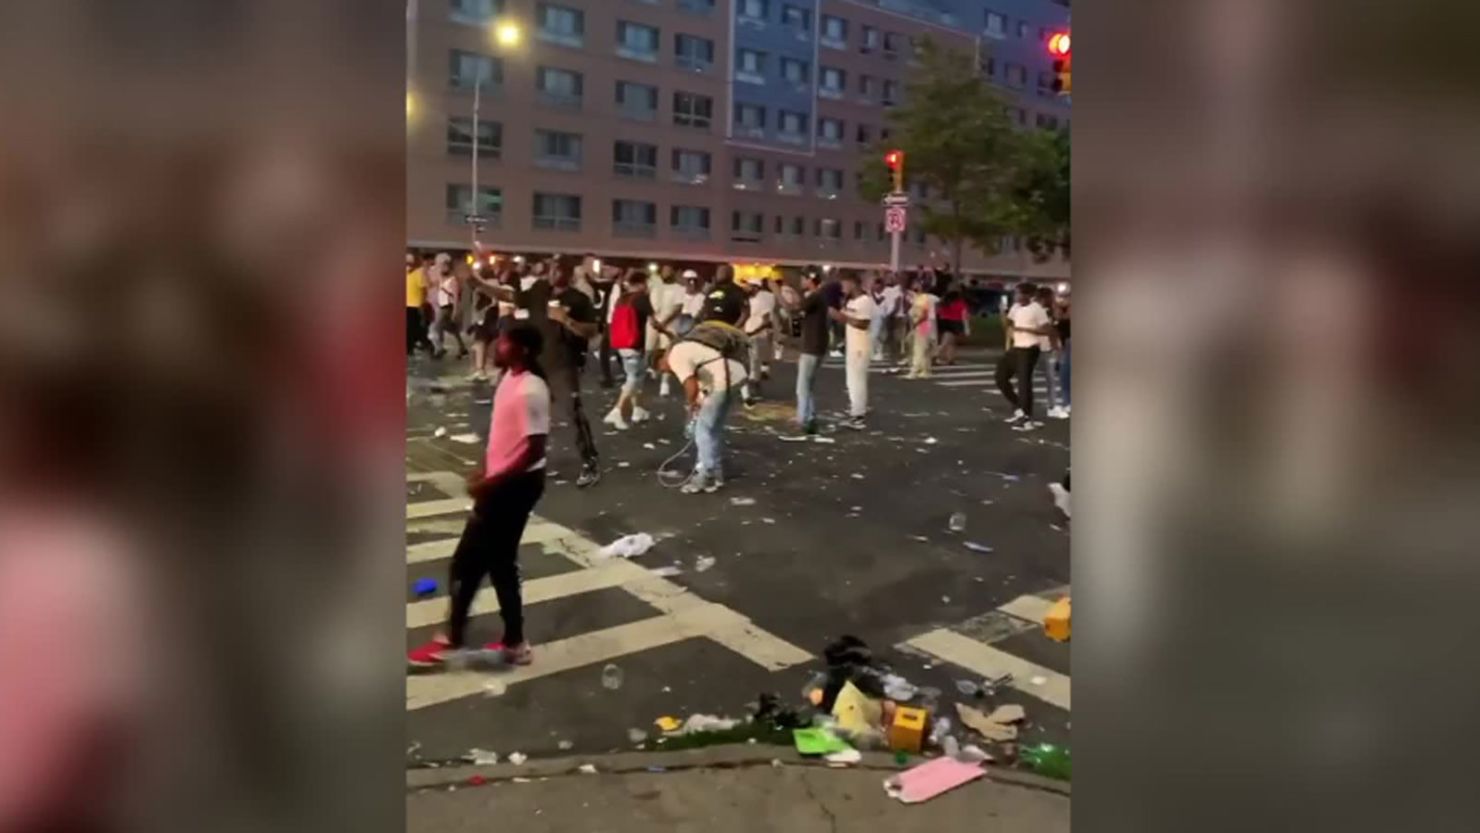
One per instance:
[(636, 41), (559, 212), (1022, 29), (990, 67), (996, 24), (1017, 75), (829, 181), (891, 93), (871, 39), (866, 86), (793, 126), (691, 166), (755, 9), (747, 226), (750, 117), (475, 12), (1045, 83), (634, 218), (469, 68), (834, 82), (637, 101), (562, 25), (797, 17), (692, 110), (891, 44), (699, 7), (834, 32), (693, 52), (795, 71), (460, 204), (560, 151), (829, 132), (829, 229), (859, 228), (865, 134), (691, 221), (792, 179), (460, 137), (560, 87), (749, 171), (634, 159), (750, 66)]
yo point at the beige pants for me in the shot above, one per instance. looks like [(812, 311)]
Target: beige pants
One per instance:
[(924, 349)]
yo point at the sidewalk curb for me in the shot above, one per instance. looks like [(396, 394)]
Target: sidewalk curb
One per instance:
[(727, 757)]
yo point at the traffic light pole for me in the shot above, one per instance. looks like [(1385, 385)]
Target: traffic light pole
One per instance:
[(894, 240), (474, 207)]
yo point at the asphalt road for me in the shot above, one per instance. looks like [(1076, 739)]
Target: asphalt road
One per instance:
[(849, 537)]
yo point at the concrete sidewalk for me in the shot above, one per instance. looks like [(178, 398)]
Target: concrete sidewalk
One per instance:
[(720, 790)]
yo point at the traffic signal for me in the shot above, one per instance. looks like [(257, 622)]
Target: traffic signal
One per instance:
[(1058, 47), (894, 161)]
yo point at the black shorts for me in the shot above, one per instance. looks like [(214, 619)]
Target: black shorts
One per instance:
[(487, 328), (950, 327)]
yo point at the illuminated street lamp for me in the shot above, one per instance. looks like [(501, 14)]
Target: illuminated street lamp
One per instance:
[(508, 34)]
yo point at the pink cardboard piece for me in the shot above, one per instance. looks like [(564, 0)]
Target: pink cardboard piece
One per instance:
[(930, 779)]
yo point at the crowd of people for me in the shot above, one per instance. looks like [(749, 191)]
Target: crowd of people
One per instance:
[(533, 323)]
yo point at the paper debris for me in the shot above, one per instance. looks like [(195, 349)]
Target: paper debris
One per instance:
[(440, 432), (586, 769), (564, 745), (818, 741), (846, 756), (856, 712), (518, 758), (628, 546), (975, 547), (466, 439), (481, 757), (742, 501), (930, 779), (668, 723), (997, 727), (667, 572), (703, 563)]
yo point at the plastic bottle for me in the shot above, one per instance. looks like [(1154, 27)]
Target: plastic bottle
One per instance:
[(611, 677), (958, 522), (1047, 759)]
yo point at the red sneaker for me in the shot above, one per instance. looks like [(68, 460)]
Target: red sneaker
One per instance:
[(431, 655), (520, 654)]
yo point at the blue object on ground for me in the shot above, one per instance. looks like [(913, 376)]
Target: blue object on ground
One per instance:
[(425, 586)]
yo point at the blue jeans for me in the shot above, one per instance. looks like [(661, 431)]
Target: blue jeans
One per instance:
[(1064, 375), (806, 377), (709, 432), (632, 367)]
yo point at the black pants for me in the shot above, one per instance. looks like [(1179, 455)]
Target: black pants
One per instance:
[(490, 546), (416, 330), (606, 357), (565, 396), (1019, 362)]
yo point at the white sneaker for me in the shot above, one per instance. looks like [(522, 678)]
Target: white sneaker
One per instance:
[(1017, 416), (1027, 425), (1060, 497), (663, 389), (1057, 412), (640, 415), (614, 419)]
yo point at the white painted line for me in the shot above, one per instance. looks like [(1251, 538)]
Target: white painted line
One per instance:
[(431, 550), (587, 649), (430, 508), (1029, 608), (992, 663), (536, 532), (434, 611)]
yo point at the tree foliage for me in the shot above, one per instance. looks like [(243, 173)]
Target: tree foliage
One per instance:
[(1042, 194), (957, 139)]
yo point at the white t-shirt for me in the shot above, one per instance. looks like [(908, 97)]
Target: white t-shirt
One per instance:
[(762, 304), (521, 409), (1031, 315), (889, 302), (858, 340), (688, 358), (447, 290), (667, 299), (693, 304)]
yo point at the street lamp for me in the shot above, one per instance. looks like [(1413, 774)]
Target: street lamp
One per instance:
[(508, 34)]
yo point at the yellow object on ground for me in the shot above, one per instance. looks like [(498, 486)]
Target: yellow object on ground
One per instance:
[(1056, 623), (668, 724), (907, 732), (857, 712)]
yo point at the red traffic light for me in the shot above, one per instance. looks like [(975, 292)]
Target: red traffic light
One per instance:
[(1059, 43), (894, 159)]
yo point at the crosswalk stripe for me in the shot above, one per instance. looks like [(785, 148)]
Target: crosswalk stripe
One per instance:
[(992, 663), (1032, 608), (535, 532), (428, 508), (434, 611)]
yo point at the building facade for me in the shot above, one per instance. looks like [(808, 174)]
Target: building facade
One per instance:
[(719, 130)]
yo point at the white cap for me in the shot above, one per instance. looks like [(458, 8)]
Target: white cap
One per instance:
[(443, 257), (690, 273)]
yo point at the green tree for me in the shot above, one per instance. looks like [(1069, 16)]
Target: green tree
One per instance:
[(1042, 194), (954, 131)]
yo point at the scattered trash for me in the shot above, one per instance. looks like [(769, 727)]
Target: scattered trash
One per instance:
[(818, 741), (636, 735), (708, 723), (1056, 622), (628, 546), (703, 563), (856, 476), (481, 757), (921, 538), (1047, 759), (945, 600), (931, 441), (950, 747), (968, 688), (898, 688), (611, 677), (800, 438), (768, 520), (668, 723), (824, 440), (667, 572), (973, 754), (975, 547), (564, 745), (466, 439), (1039, 680), (586, 769), (857, 713), (930, 779), (413, 748), (742, 501), (846, 756), (957, 523), (440, 432), (996, 727), (518, 758), (901, 757), (477, 780), (650, 446), (657, 769), (907, 731), (495, 688), (425, 586), (523, 780)]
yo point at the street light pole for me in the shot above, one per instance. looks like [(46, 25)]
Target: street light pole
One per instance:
[(473, 201)]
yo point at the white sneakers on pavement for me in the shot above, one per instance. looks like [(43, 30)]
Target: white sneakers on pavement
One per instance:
[(1058, 412), (615, 420), (1017, 416), (640, 415)]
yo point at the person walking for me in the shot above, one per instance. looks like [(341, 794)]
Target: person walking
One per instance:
[(416, 296), (1027, 324), (630, 316), (813, 308), (922, 330), (448, 294), (504, 492), (1049, 360), (1061, 321), (857, 317), (759, 327), (951, 319), (709, 381), (665, 297)]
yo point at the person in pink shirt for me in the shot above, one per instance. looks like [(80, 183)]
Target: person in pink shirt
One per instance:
[(505, 493)]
